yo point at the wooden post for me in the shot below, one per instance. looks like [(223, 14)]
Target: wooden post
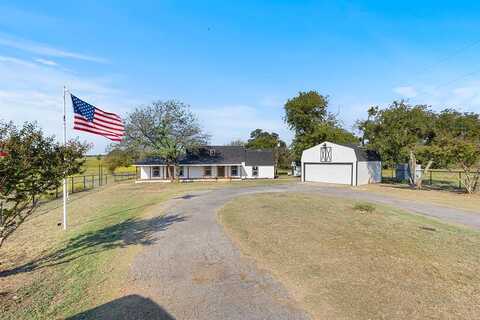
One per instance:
[(459, 180), (73, 188), (106, 179), (431, 182), (84, 182)]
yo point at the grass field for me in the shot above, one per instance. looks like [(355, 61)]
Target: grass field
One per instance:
[(46, 273), (92, 164), (458, 200), (439, 179), (340, 261)]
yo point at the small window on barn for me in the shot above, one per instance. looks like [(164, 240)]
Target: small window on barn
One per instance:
[(255, 171), (325, 153), (156, 172), (208, 171), (234, 171), (212, 152)]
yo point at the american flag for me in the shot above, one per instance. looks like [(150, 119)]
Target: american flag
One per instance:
[(94, 120)]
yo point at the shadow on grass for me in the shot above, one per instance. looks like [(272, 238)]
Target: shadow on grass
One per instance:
[(187, 196), (436, 186), (128, 307), (128, 232)]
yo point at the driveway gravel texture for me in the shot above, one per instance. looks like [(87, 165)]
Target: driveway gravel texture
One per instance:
[(194, 271)]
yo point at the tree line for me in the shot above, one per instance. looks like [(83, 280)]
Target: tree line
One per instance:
[(400, 132), (32, 163)]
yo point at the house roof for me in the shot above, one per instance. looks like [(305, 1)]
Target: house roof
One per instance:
[(150, 161), (362, 153), (220, 155), (259, 158)]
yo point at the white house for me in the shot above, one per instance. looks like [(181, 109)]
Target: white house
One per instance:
[(211, 163), (341, 164)]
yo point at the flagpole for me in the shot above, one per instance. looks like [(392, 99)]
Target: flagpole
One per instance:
[(65, 145)]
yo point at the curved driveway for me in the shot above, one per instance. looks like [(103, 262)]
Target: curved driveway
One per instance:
[(193, 270)]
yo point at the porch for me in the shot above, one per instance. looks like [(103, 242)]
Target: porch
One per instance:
[(191, 172)]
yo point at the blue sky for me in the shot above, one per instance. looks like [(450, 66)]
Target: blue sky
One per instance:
[(235, 62)]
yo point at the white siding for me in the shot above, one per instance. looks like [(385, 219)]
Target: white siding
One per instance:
[(146, 172), (336, 171), (197, 172), (369, 172), (264, 172), (340, 155)]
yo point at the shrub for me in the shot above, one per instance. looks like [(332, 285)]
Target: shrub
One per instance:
[(364, 207)]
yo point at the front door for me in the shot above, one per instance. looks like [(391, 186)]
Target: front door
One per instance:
[(221, 172)]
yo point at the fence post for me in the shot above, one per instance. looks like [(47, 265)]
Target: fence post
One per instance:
[(84, 182), (106, 179), (93, 181), (73, 188), (460, 180), (431, 182), (56, 192)]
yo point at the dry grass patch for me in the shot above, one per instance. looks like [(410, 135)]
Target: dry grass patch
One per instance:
[(341, 264), (46, 273), (469, 202)]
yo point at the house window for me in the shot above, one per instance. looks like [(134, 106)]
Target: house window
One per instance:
[(208, 171), (155, 172), (255, 171), (180, 171), (234, 171)]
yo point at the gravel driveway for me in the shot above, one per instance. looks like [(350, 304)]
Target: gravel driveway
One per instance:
[(193, 270)]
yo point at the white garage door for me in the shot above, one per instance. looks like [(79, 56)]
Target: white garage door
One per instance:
[(329, 173)]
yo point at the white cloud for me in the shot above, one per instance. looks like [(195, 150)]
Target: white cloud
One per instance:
[(34, 92), (46, 62), (45, 50), (406, 91), (227, 123)]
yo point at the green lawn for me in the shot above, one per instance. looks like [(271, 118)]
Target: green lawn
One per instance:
[(340, 261), (46, 273), (92, 164)]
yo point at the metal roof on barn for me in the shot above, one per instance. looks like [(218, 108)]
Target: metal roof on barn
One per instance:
[(362, 153)]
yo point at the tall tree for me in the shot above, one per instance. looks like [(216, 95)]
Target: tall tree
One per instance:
[(307, 115), (403, 132), (33, 165), (397, 130), (116, 158), (164, 128), (260, 139), (457, 143)]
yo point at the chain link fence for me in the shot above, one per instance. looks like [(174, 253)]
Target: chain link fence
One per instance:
[(438, 178), (89, 182)]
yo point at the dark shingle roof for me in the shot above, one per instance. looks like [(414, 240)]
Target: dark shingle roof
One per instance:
[(150, 161), (259, 158), (222, 155), (362, 153)]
